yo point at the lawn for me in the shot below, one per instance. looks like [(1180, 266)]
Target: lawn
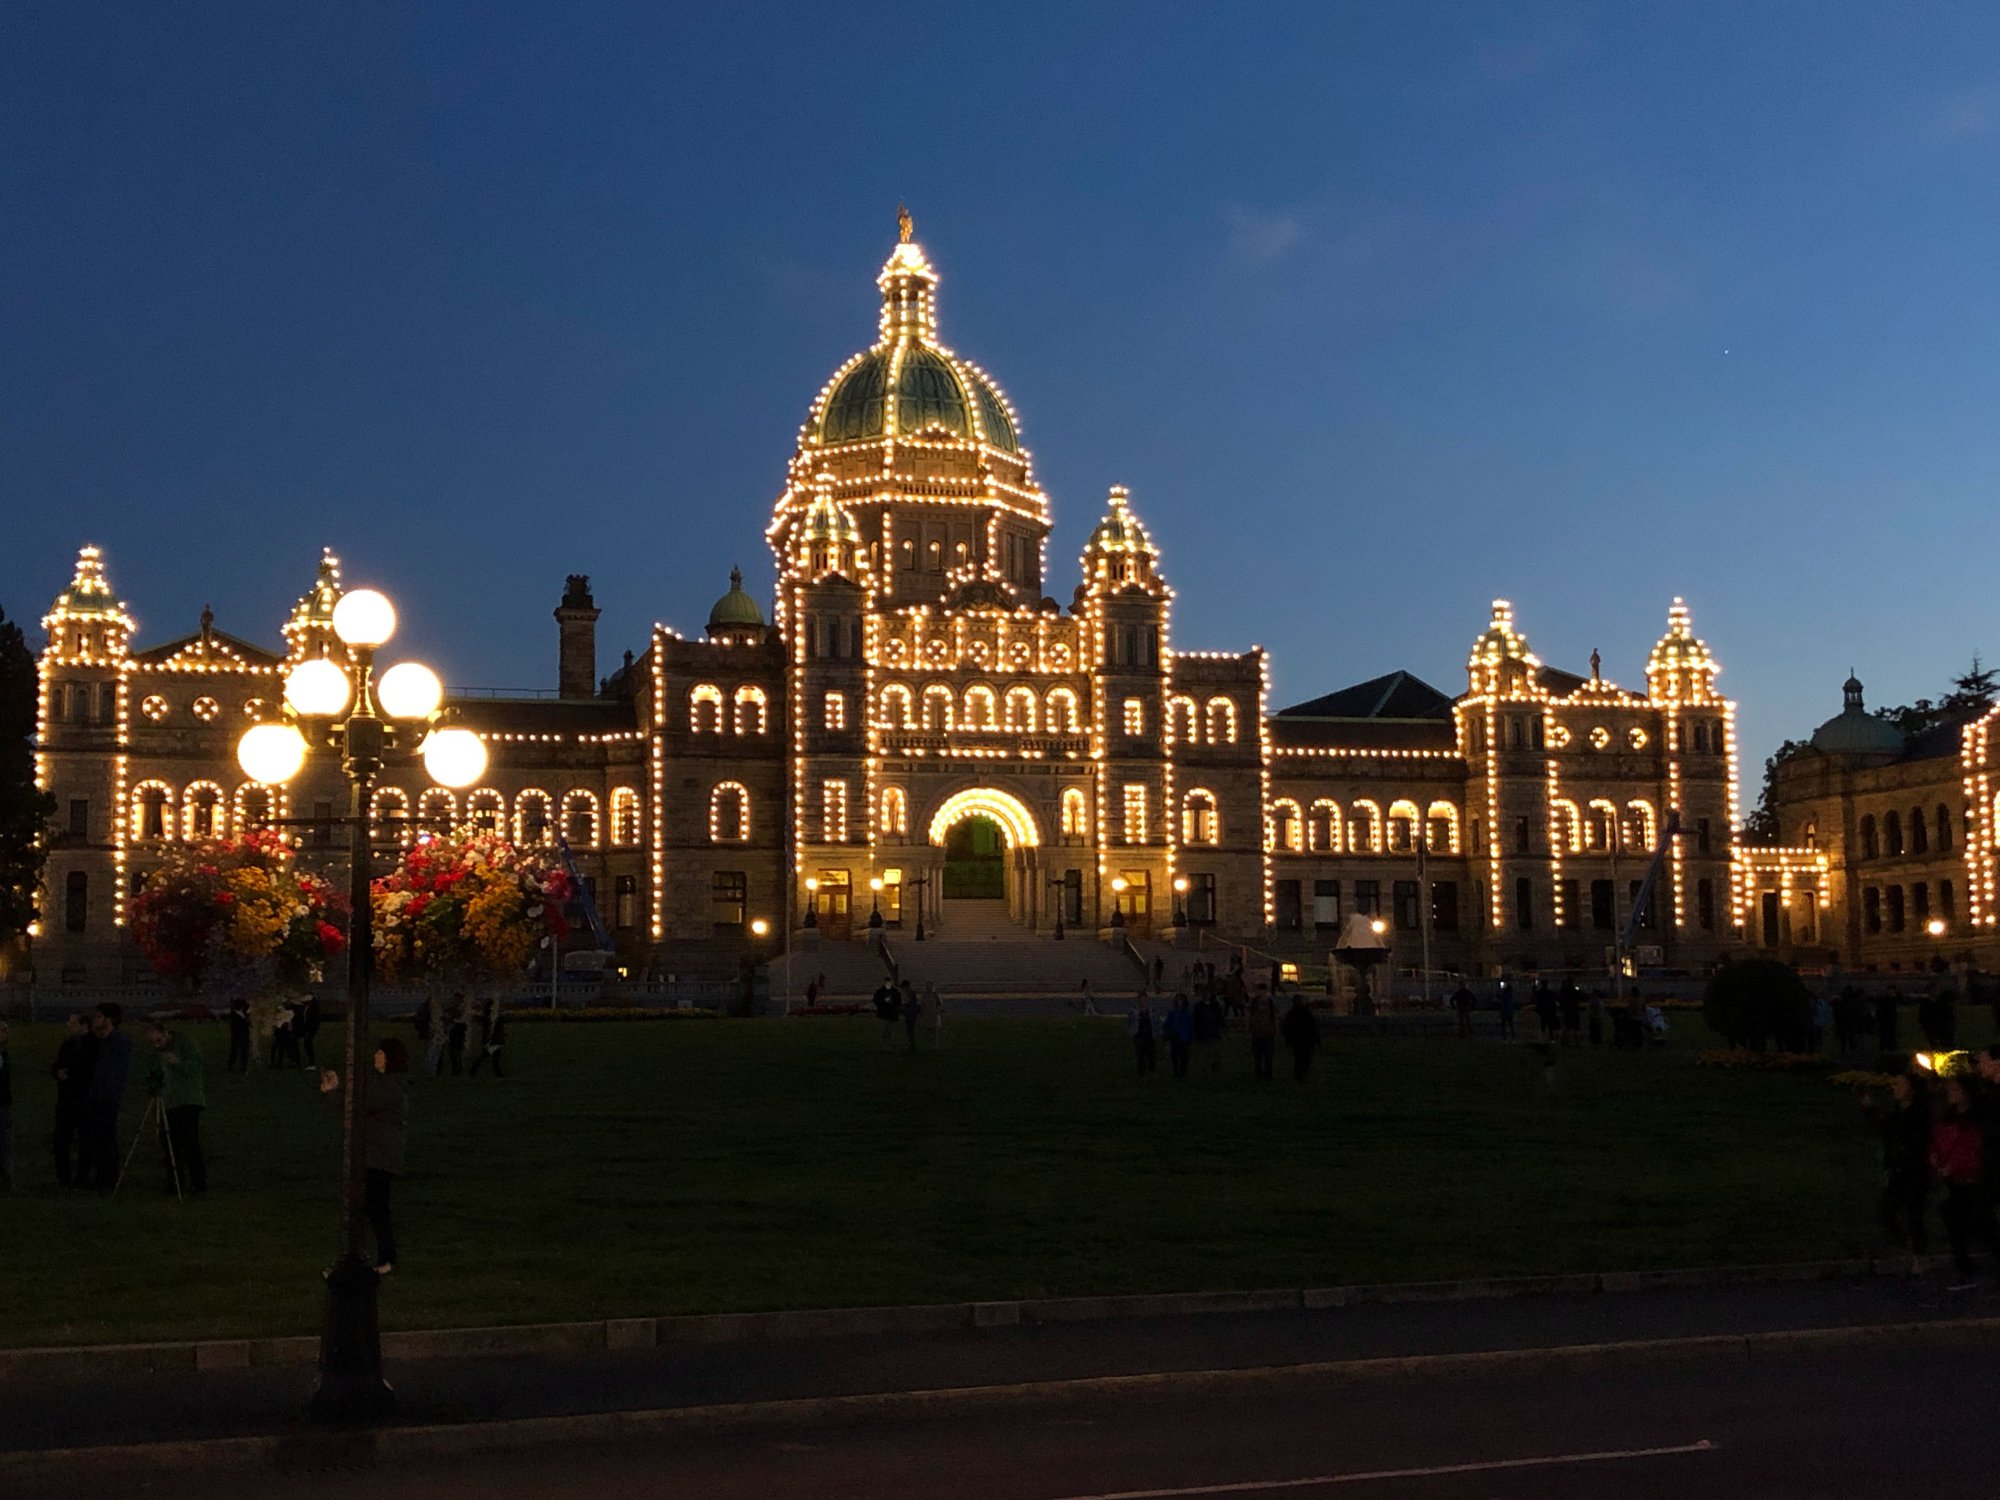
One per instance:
[(638, 1169)]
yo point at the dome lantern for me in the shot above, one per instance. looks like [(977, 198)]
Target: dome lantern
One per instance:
[(1120, 552), (1854, 730), (87, 619), (1501, 665)]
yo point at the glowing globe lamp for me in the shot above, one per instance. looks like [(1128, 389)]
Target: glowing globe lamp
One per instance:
[(364, 617), (409, 690), (271, 754), (455, 757), (318, 688)]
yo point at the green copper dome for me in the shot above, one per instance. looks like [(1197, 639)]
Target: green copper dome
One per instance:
[(735, 610), (931, 390)]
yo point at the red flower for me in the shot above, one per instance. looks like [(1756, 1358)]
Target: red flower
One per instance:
[(225, 898), (331, 938)]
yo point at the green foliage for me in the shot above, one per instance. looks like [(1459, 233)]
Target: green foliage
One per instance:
[(24, 809), (1758, 1001), (1761, 826)]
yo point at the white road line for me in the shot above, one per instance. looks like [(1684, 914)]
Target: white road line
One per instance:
[(1254, 1486)]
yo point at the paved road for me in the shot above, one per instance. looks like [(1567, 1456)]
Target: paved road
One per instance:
[(1861, 1421)]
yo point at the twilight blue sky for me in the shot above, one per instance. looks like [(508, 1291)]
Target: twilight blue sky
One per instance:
[(1382, 310)]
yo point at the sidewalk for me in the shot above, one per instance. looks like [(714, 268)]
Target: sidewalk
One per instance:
[(112, 1408)]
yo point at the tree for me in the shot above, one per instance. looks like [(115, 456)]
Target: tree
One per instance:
[(1759, 1000), (1761, 826), (24, 808), (1973, 692)]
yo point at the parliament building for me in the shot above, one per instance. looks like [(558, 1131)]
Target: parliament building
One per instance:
[(916, 724)]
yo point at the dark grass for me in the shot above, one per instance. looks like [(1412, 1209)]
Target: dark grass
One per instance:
[(640, 1169)]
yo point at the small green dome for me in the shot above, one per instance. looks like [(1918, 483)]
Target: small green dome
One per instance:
[(735, 610), (1854, 730)]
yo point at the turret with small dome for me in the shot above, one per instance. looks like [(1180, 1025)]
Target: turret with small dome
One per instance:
[(1501, 665), (309, 629), (1681, 669), (87, 619), (1120, 554), (1854, 730), (736, 615)]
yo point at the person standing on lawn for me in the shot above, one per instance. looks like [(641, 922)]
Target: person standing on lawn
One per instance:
[(106, 1096), (176, 1081), (430, 1031), (71, 1071), (385, 1139), (1461, 1004), (1957, 1155), (1545, 1010), (1302, 1036), (1180, 1034), (1263, 1023), (933, 1008), (492, 1036), (1904, 1124), (1139, 1026), (906, 1007), (885, 1011), (307, 1027), (1506, 990)]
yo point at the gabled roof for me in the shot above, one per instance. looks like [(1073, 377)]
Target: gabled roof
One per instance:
[(210, 648), (1397, 695)]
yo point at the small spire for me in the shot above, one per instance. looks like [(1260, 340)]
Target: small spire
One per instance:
[(905, 225)]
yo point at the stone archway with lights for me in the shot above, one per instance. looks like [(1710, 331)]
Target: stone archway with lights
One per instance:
[(973, 819)]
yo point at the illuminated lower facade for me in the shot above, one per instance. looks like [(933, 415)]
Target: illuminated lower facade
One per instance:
[(919, 725)]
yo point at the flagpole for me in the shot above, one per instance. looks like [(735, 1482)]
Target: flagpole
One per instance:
[(1424, 904)]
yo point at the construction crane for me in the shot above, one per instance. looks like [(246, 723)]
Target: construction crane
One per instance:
[(583, 896), (1628, 938)]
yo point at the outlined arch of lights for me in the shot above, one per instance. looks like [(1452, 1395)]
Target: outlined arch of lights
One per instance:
[(1016, 823)]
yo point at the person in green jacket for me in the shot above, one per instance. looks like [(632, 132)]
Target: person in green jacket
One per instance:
[(176, 1081)]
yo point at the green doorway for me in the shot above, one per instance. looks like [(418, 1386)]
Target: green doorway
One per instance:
[(975, 861)]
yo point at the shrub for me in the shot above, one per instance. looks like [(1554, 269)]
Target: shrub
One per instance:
[(1759, 1001)]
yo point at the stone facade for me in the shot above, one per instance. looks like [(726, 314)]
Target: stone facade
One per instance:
[(914, 675)]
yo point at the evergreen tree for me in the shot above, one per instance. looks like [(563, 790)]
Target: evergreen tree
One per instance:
[(1972, 694), (1761, 826), (24, 808)]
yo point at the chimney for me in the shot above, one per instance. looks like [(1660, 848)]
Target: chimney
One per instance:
[(576, 675)]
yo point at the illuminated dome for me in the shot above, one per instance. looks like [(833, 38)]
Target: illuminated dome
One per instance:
[(310, 627), (735, 610), (1681, 666), (1120, 530)]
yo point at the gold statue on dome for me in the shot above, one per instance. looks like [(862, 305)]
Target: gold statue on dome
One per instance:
[(905, 225)]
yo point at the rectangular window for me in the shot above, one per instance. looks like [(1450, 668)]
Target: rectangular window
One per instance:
[(1135, 814), (729, 894), (892, 895), (1201, 900), (1945, 902), (1603, 905), (79, 818), (1871, 909), (836, 711), (76, 901), (1524, 904), (1571, 914), (1896, 913), (1367, 897), (833, 812), (1444, 905), (626, 914), (1704, 904), (1135, 716), (1407, 907), (1523, 836), (1920, 901), (1326, 903), (1288, 905)]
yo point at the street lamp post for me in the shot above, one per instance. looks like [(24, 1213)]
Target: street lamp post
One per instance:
[(1118, 886), (1180, 891), (920, 885), (875, 903), (1056, 895), (370, 723), (812, 901)]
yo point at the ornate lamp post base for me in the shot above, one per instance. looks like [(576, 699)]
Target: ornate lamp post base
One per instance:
[(350, 1388)]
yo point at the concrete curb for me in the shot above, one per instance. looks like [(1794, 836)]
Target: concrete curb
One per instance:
[(85, 1361), (396, 1446)]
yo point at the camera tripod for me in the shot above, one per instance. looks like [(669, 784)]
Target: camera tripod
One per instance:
[(156, 1116)]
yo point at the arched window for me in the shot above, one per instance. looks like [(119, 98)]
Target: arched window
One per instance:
[(1920, 832), (1892, 833), (1221, 721), (1183, 721), (202, 811), (1287, 826), (895, 810), (896, 711), (255, 806), (705, 709), (1642, 825), (1075, 820), (531, 818), (834, 711), (1323, 827), (1566, 828), (1809, 835), (486, 810), (1402, 827), (1364, 828), (979, 710), (1020, 710), (1062, 711), (152, 812), (753, 711), (1943, 829), (1442, 828), (437, 810), (1601, 829), (1200, 823), (729, 813), (625, 816), (389, 813), (580, 823), (1870, 847), (937, 707)]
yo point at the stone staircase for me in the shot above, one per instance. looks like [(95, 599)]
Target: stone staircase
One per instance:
[(852, 969), (978, 949)]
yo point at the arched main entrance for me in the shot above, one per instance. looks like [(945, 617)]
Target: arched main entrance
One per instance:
[(990, 843)]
